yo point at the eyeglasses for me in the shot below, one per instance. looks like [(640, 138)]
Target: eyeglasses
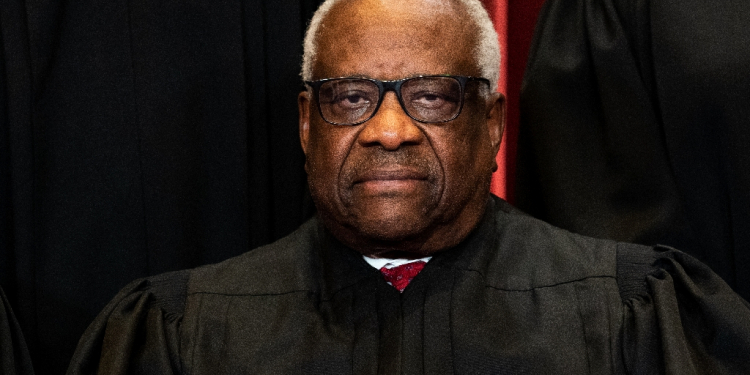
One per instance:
[(429, 99)]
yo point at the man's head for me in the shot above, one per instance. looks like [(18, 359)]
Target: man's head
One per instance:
[(395, 183)]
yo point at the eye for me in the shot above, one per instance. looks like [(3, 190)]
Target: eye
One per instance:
[(350, 100), (427, 97), (431, 99)]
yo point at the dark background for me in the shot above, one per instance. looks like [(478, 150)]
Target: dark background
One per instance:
[(138, 137)]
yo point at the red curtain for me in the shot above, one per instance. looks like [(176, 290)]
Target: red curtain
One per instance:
[(514, 21)]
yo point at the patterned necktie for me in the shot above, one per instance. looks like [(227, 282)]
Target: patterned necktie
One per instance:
[(400, 276)]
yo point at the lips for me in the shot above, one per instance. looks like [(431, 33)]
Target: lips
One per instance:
[(389, 182), (408, 173), (390, 174)]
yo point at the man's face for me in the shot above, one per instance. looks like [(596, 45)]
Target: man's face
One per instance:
[(393, 185)]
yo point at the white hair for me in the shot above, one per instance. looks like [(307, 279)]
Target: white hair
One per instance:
[(486, 51)]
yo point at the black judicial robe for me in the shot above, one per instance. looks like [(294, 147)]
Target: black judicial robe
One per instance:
[(635, 126), (14, 356), (517, 296)]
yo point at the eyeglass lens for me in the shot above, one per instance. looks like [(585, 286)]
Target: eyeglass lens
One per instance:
[(426, 99)]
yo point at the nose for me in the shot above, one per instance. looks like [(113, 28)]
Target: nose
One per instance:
[(391, 127)]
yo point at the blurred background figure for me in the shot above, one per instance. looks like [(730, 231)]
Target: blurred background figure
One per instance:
[(635, 126)]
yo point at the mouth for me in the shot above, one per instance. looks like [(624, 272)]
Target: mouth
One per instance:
[(387, 180), (396, 174)]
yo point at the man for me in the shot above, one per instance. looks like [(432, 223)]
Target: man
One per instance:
[(400, 125)]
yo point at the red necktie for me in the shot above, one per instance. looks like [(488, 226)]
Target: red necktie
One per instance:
[(400, 276)]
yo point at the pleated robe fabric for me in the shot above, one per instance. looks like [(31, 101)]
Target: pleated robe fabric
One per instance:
[(517, 296), (14, 356), (136, 138), (634, 126)]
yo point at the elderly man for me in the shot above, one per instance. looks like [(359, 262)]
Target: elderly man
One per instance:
[(400, 125)]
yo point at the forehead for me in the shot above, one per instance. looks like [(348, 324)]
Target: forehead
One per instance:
[(388, 39)]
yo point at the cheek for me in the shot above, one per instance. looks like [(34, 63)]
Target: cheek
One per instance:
[(466, 156), (328, 148)]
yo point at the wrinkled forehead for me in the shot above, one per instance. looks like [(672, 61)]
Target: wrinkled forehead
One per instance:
[(389, 39)]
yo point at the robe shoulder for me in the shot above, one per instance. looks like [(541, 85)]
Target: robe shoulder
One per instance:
[(544, 255), (678, 316), (285, 266), (527, 253), (138, 331)]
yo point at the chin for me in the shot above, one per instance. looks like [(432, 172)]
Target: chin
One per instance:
[(392, 229), (377, 236)]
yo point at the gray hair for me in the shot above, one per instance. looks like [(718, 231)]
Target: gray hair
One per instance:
[(486, 51)]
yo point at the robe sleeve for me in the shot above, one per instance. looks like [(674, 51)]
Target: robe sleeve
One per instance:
[(681, 318), (137, 332), (14, 356)]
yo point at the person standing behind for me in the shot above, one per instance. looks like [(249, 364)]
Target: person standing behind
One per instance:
[(634, 126)]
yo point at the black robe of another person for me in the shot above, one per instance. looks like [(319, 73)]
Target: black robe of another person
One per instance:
[(14, 357), (635, 126), (136, 138), (518, 296)]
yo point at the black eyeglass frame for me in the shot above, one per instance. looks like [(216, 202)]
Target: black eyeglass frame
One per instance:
[(395, 86)]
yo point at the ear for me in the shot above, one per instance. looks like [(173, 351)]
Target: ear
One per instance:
[(303, 104), (495, 123), (496, 119)]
